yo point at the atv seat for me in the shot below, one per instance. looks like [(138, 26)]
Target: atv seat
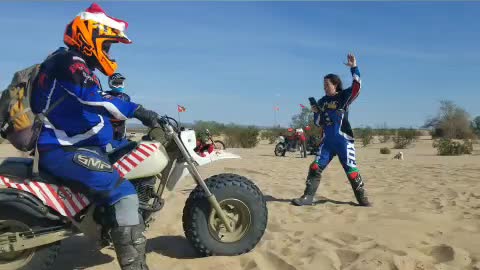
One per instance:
[(19, 169)]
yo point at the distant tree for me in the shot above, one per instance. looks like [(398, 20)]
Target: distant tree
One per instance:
[(304, 118), (451, 122), (476, 125)]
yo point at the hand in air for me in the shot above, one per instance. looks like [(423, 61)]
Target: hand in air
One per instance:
[(351, 60)]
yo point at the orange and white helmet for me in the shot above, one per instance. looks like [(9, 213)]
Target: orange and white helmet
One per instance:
[(92, 32)]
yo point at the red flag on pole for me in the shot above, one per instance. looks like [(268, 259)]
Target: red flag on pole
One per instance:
[(181, 108)]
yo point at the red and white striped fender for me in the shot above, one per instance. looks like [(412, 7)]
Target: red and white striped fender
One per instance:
[(131, 160), (61, 199), (64, 200)]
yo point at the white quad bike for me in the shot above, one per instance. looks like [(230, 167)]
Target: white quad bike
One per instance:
[(225, 214)]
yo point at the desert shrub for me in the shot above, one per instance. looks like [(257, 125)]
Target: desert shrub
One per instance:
[(385, 137), (271, 134), (404, 138), (451, 122), (365, 134), (384, 133), (448, 147), (385, 150), (243, 137), (215, 128)]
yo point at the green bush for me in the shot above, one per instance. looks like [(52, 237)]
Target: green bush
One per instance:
[(215, 128), (385, 150), (448, 147), (243, 137), (404, 138)]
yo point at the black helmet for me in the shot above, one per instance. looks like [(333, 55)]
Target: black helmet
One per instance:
[(116, 81)]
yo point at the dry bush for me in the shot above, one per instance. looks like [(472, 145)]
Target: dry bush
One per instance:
[(385, 151), (448, 147), (243, 137)]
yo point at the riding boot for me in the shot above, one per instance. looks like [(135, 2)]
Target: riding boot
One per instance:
[(312, 183), (359, 191), (129, 243)]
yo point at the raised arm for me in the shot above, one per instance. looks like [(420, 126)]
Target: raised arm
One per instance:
[(351, 93)]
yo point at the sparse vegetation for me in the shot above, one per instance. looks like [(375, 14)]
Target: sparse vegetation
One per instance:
[(451, 122), (384, 133), (365, 134), (243, 137), (304, 118), (271, 134), (404, 138), (215, 128), (449, 147), (476, 125), (385, 151)]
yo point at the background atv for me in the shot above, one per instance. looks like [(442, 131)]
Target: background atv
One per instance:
[(225, 214)]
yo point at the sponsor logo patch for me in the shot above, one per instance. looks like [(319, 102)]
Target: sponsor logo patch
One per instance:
[(92, 163)]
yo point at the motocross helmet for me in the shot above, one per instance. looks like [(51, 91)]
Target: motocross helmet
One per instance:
[(116, 82), (92, 33)]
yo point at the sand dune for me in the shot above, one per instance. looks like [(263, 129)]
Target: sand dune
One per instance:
[(426, 216)]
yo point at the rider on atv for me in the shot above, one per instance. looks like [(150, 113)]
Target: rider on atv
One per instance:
[(203, 145), (116, 82), (78, 129)]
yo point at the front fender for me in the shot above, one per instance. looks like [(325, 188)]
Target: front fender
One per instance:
[(180, 171), (216, 155)]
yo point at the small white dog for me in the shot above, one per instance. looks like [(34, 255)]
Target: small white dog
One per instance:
[(398, 156)]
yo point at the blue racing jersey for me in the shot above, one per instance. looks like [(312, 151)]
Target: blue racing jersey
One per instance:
[(82, 118), (333, 111)]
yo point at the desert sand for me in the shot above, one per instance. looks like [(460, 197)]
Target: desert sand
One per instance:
[(426, 215)]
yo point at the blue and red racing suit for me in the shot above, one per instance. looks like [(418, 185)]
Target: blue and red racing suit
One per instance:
[(78, 129), (338, 135)]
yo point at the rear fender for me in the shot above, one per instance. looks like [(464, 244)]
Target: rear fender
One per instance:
[(25, 202), (60, 199)]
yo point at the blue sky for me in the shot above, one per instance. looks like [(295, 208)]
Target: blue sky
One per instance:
[(233, 61)]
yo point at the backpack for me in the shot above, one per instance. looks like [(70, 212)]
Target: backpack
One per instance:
[(19, 124)]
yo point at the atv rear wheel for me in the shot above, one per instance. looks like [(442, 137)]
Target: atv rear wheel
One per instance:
[(243, 204), (39, 258)]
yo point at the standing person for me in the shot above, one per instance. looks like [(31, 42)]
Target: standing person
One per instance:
[(116, 82), (331, 113)]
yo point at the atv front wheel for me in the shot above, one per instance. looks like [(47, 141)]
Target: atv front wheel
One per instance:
[(280, 149), (245, 208), (39, 258)]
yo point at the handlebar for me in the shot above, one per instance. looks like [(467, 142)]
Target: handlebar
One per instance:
[(166, 120)]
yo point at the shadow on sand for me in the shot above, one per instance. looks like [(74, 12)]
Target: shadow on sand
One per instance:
[(323, 200)]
